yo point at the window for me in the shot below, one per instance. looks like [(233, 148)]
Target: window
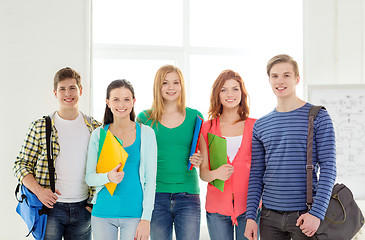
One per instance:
[(157, 22), (132, 39)]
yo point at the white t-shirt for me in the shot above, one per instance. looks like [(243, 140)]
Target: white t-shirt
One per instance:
[(70, 164), (233, 144)]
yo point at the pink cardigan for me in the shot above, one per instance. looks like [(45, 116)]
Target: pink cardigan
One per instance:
[(237, 184)]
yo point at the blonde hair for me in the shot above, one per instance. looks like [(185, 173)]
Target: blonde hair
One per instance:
[(216, 108), (158, 105), (282, 58)]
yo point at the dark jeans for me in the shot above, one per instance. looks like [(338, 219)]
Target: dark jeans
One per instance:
[(179, 209), (276, 225), (70, 220)]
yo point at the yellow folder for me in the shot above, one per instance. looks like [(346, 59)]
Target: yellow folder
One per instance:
[(111, 154)]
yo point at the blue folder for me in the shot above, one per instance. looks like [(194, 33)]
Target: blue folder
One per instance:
[(195, 141)]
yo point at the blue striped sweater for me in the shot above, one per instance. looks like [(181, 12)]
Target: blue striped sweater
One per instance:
[(279, 157)]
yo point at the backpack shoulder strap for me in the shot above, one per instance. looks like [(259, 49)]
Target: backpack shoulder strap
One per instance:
[(312, 114), (51, 169), (88, 119), (313, 111)]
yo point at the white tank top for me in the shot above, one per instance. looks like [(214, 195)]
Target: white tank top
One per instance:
[(233, 144)]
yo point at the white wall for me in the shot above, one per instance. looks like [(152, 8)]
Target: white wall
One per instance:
[(37, 38), (334, 42), (334, 47)]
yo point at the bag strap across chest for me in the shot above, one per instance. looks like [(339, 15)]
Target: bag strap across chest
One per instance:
[(312, 114)]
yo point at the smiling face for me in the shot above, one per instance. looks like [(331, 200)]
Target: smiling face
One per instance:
[(171, 87), (68, 93), (283, 80), (230, 94), (120, 102)]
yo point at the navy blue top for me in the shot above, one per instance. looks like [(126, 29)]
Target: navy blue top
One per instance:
[(279, 158)]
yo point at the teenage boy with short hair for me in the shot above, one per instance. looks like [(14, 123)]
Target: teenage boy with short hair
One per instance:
[(71, 129), (279, 159)]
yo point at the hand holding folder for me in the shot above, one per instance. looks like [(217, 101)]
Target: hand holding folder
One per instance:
[(111, 155), (218, 156)]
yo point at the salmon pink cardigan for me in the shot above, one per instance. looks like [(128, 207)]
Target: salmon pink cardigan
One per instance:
[(237, 184)]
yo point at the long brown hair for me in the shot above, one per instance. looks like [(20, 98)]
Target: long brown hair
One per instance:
[(216, 108), (158, 105)]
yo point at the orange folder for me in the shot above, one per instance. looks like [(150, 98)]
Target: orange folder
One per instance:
[(112, 153)]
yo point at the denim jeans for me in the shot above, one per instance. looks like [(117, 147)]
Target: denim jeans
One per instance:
[(108, 228), (220, 227), (70, 220), (275, 225), (181, 210)]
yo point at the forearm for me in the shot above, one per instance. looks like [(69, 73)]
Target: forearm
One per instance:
[(255, 185), (29, 154), (323, 191), (22, 168), (326, 157), (93, 178), (254, 193), (46, 196), (253, 201), (207, 175), (30, 182), (149, 158)]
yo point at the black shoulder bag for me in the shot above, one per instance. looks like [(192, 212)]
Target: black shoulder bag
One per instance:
[(33, 212), (343, 217)]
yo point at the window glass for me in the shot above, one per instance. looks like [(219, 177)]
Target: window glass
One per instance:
[(205, 70), (143, 22), (140, 73), (246, 24)]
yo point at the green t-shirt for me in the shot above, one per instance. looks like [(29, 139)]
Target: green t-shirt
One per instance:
[(173, 147)]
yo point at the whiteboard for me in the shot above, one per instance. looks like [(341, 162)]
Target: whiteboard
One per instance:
[(346, 106)]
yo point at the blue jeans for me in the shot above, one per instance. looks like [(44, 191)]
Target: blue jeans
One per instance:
[(108, 228), (179, 209), (220, 227), (70, 220), (275, 225)]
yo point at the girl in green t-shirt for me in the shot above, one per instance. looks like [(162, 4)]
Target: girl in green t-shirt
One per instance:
[(177, 199)]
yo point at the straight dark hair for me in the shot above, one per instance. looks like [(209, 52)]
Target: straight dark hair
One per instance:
[(108, 115)]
